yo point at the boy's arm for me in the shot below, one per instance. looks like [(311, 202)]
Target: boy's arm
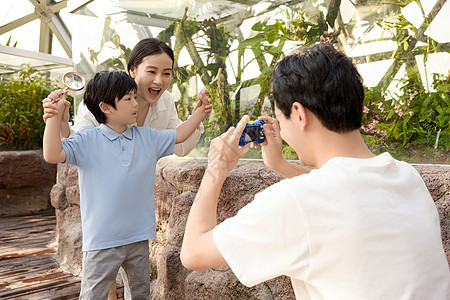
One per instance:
[(201, 111), (51, 109), (64, 131), (52, 148)]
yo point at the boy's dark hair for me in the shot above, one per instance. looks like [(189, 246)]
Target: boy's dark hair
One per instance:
[(325, 81), (146, 47), (106, 87)]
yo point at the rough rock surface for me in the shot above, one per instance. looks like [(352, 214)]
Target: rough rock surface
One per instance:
[(177, 181), (437, 180), (25, 182)]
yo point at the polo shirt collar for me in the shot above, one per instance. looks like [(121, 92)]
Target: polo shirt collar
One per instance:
[(112, 135)]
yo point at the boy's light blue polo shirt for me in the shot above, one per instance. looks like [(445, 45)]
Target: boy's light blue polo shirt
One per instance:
[(116, 174)]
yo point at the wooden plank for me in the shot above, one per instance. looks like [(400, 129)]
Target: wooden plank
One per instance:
[(69, 291), (25, 230), (29, 244), (44, 215), (36, 287), (24, 253), (18, 223), (24, 244), (26, 274), (14, 225), (28, 269), (24, 282), (25, 262)]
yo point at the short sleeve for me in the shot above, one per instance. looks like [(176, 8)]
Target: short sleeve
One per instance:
[(163, 140), (72, 146), (267, 238)]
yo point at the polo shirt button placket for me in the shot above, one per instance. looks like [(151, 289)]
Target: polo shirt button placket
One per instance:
[(121, 142)]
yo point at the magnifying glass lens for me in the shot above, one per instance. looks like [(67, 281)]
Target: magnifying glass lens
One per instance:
[(73, 81)]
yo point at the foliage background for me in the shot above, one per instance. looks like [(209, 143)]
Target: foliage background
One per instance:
[(413, 123), (21, 123)]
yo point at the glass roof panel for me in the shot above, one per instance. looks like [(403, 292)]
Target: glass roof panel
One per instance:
[(201, 9), (12, 58)]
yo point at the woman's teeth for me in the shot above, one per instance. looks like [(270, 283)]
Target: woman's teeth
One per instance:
[(154, 91)]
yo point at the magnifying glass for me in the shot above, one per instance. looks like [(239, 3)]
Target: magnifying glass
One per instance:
[(73, 81)]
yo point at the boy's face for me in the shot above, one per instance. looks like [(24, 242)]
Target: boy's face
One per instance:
[(153, 76), (126, 109)]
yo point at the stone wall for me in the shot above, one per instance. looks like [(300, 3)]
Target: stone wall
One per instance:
[(177, 181), (25, 182)]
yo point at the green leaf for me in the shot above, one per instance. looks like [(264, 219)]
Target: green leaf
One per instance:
[(271, 37), (390, 114), (259, 26), (405, 46), (426, 102)]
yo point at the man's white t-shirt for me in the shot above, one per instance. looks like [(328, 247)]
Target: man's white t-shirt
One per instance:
[(353, 229)]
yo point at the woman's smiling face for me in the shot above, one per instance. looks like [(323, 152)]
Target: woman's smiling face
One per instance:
[(152, 76)]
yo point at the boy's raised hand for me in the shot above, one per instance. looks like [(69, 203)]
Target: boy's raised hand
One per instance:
[(53, 106), (204, 105), (201, 111), (52, 150)]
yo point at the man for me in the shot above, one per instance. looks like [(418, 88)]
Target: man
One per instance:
[(358, 226)]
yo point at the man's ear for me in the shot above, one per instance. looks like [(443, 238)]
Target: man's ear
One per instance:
[(298, 112), (105, 108)]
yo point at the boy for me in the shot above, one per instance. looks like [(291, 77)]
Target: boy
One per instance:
[(116, 164), (357, 226)]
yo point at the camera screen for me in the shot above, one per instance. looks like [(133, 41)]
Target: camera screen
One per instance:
[(251, 133)]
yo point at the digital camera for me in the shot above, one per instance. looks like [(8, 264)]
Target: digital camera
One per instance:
[(253, 132)]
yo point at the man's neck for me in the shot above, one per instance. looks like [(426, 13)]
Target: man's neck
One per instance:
[(331, 144)]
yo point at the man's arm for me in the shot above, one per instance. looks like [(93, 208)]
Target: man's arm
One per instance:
[(201, 111), (52, 149), (199, 251), (272, 151)]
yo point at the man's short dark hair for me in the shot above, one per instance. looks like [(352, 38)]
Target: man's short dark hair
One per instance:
[(105, 87), (325, 81)]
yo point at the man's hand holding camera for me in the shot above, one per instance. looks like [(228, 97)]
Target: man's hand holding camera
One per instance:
[(225, 151)]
